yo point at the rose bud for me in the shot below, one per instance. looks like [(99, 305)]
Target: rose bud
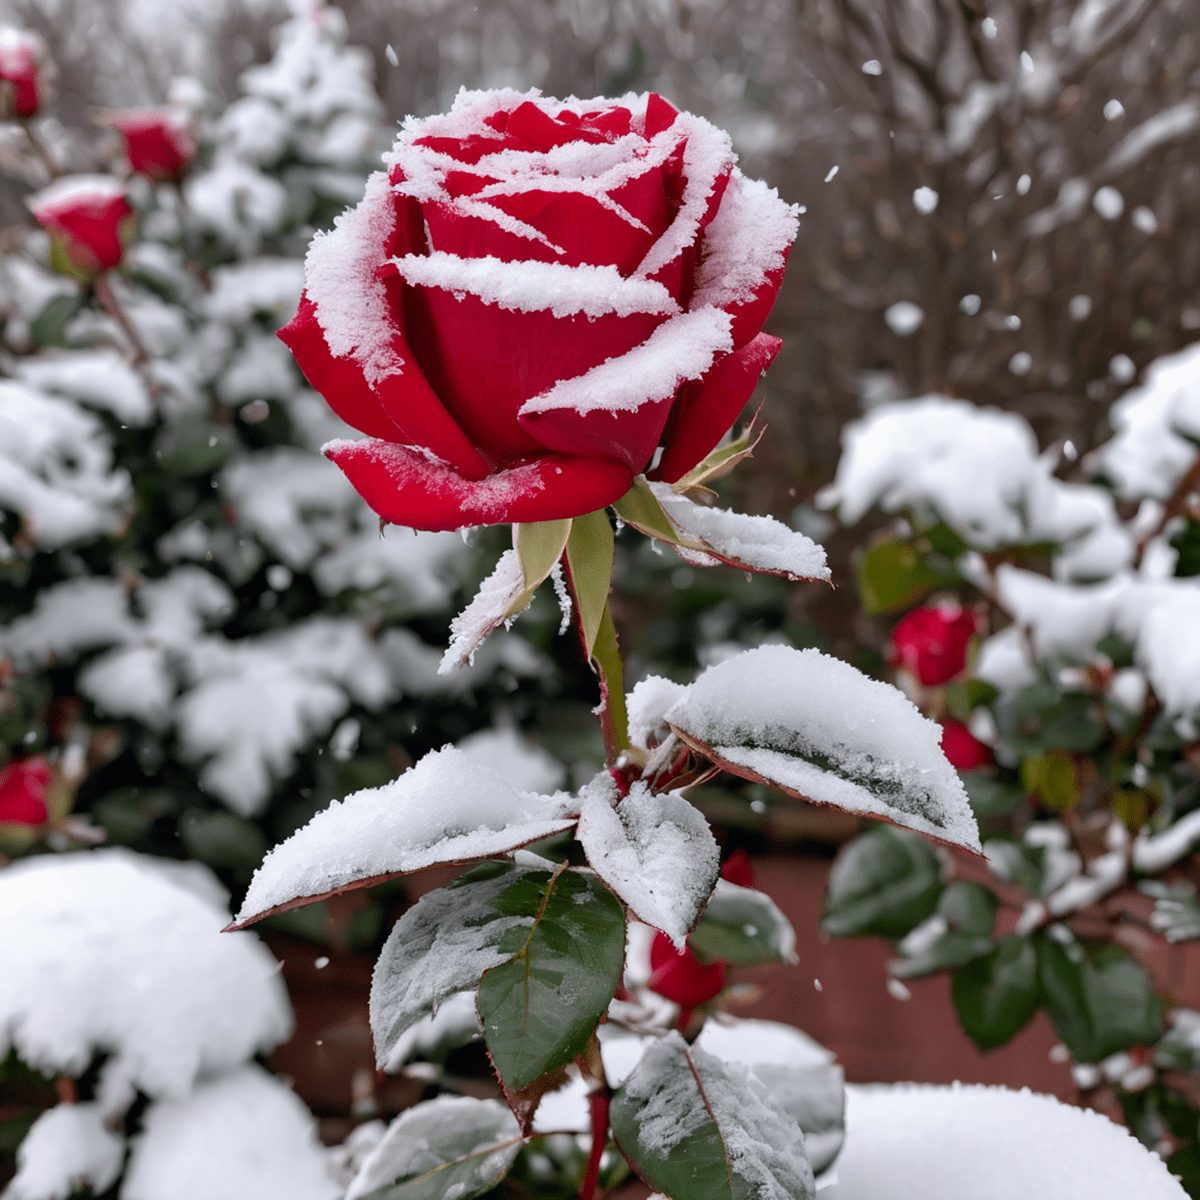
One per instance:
[(738, 869), (89, 222), (533, 299), (682, 977), (963, 750), (23, 792), (20, 59), (158, 141), (931, 643)]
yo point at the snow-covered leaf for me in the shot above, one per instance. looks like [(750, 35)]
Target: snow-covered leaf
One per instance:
[(539, 1009), (491, 606), (800, 1077), (819, 729), (698, 1129), (745, 927), (451, 1146), (68, 1148), (446, 809), (440, 946)]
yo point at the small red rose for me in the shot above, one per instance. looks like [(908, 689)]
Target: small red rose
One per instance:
[(20, 57), (23, 792), (535, 298), (89, 222), (158, 141), (682, 977), (963, 750), (738, 869), (931, 644)]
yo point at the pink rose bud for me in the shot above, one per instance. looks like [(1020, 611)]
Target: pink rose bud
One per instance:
[(931, 643), (158, 141), (537, 297), (682, 977), (89, 222), (20, 58), (963, 750), (23, 792)]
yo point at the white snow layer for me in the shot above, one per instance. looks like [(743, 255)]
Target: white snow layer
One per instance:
[(656, 851), (522, 764), (102, 952), (487, 609), (818, 727), (445, 809), (760, 543), (647, 706), (410, 1146), (68, 1147), (241, 1135), (920, 1142), (98, 378)]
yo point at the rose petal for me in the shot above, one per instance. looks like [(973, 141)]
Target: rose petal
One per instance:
[(660, 114), (406, 489), (628, 437), (707, 408)]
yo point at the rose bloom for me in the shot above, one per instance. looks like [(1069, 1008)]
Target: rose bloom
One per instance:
[(20, 54), (682, 977), (23, 792), (158, 141), (931, 643), (533, 299), (963, 750), (89, 222)]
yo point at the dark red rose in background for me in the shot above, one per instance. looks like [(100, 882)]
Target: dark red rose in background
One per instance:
[(533, 299), (738, 869), (963, 750), (23, 791), (89, 222), (682, 977), (158, 141), (932, 643), (20, 54)]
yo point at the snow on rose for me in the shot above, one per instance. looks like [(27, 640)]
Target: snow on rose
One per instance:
[(20, 58), (535, 297)]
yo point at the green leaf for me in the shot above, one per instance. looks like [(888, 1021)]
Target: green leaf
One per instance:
[(744, 927), (990, 798), (539, 546), (607, 655), (996, 995), (969, 908), (193, 445), (885, 882), (1055, 778), (451, 1146), (722, 460), (695, 1132), (590, 562), (565, 949), (49, 327), (1098, 1004), (442, 945), (223, 840), (893, 575), (946, 952)]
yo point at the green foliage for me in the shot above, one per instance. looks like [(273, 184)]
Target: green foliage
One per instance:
[(744, 928), (997, 994)]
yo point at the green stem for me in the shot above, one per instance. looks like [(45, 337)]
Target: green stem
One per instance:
[(614, 722), (115, 310)]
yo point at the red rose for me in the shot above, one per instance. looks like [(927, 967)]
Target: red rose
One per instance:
[(931, 643), (534, 297), (738, 869), (963, 750), (23, 792), (89, 222), (158, 141), (682, 977), (19, 57)]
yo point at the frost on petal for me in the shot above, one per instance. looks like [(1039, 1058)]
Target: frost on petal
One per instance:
[(656, 851), (242, 1134), (470, 1143), (759, 543), (822, 730), (446, 809), (69, 1147), (440, 946), (102, 951), (491, 606)]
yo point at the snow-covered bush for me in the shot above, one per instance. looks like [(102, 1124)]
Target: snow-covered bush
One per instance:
[(1075, 720)]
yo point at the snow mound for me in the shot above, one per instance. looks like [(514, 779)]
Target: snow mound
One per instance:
[(919, 1142), (523, 764), (102, 952), (243, 1135), (68, 1147)]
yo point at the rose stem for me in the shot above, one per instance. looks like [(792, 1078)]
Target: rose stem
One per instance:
[(113, 306), (598, 1104), (39, 148)]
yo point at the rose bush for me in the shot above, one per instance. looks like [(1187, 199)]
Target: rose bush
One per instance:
[(532, 299), (89, 222), (931, 643), (158, 141), (20, 53)]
